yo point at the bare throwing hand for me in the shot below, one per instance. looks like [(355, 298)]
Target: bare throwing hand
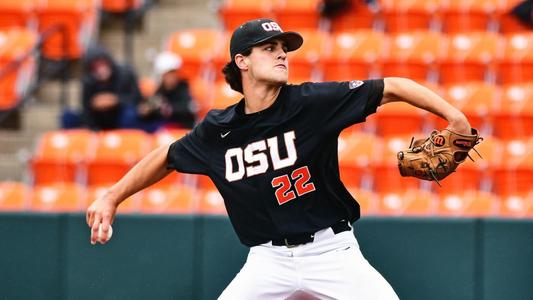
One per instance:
[(101, 211)]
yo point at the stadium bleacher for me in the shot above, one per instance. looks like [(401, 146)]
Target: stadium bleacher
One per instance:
[(471, 52)]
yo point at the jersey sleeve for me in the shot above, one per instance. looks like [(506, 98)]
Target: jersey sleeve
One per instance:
[(337, 105), (190, 154)]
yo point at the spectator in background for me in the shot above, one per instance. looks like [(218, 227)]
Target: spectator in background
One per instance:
[(172, 104), (110, 92), (333, 8), (523, 11)]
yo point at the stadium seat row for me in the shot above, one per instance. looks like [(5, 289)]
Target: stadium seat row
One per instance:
[(393, 15), (505, 111), (180, 199), (420, 55), (64, 156), (76, 23), (369, 161), (17, 65), (366, 160)]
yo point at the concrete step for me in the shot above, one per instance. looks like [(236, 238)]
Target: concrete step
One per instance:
[(50, 92), (162, 21), (39, 118), (12, 168), (15, 141)]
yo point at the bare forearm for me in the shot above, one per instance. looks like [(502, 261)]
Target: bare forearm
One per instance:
[(146, 172), (403, 89)]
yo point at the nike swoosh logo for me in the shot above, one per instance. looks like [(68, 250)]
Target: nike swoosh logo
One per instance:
[(223, 135)]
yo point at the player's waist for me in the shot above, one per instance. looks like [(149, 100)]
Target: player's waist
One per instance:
[(291, 241)]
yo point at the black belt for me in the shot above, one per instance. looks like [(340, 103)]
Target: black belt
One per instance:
[(304, 238)]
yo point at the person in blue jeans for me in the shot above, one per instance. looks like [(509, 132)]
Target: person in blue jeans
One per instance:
[(110, 94)]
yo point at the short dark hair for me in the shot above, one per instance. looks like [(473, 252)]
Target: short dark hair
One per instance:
[(232, 73)]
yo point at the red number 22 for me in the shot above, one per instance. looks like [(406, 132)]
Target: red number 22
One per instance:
[(302, 185)]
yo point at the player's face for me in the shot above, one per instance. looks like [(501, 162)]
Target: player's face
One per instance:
[(268, 62)]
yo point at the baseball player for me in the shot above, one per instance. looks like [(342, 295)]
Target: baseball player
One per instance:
[(273, 157)]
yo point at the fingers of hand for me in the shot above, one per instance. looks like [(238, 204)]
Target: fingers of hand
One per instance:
[(95, 228), (103, 234), (89, 217)]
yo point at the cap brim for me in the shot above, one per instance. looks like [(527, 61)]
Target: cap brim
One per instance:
[(293, 39)]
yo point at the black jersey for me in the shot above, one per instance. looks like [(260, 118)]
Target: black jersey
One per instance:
[(277, 169)]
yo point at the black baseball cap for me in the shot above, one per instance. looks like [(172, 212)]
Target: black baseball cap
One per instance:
[(258, 31)]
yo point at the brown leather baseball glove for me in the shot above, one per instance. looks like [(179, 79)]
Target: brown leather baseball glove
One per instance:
[(437, 156)]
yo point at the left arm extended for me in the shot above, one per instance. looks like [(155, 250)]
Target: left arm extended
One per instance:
[(403, 89)]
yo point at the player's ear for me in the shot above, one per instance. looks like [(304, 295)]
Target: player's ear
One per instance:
[(241, 62)]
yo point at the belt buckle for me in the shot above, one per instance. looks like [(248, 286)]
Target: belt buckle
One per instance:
[(287, 244)]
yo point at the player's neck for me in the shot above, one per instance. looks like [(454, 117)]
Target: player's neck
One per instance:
[(258, 98)]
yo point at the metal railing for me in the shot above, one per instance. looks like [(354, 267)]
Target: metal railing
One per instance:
[(61, 69)]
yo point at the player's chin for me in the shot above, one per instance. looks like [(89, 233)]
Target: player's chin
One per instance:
[(280, 77)]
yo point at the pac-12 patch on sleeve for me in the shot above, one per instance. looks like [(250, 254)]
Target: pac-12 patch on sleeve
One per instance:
[(355, 84)]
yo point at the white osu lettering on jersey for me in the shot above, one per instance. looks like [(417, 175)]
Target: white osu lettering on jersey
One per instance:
[(251, 156), (237, 153), (270, 26), (254, 157)]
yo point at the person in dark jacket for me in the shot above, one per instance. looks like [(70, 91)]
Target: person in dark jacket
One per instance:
[(523, 11), (110, 92), (172, 105)]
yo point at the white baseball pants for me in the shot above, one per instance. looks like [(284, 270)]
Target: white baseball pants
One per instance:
[(331, 267)]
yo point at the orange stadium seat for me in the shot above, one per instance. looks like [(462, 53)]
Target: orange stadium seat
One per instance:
[(211, 202), (516, 63), (78, 20), (236, 12), (166, 137), (116, 152), (514, 112), (516, 174), (367, 200), (17, 13), (354, 55), (147, 86), (178, 199), (398, 118), (411, 202), (407, 15), (14, 196), (360, 15), (61, 155), (14, 45), (468, 15), (356, 153), (204, 183), (222, 56), (224, 96), (295, 15), (130, 205), (197, 48), (303, 61), (478, 174), (387, 177), (468, 56), (202, 93), (61, 197), (517, 206), (412, 54), (507, 22), (120, 6), (469, 204), (476, 99)]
